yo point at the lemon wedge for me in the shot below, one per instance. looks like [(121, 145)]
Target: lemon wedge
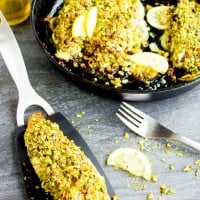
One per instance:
[(90, 21), (151, 60), (84, 25), (159, 17), (78, 29), (131, 160)]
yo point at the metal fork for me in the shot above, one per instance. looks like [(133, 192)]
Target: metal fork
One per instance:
[(147, 127)]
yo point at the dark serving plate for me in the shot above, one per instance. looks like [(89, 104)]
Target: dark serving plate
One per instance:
[(42, 8), (31, 180)]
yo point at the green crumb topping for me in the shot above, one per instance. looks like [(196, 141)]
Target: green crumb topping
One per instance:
[(126, 135), (154, 178), (179, 153), (62, 167), (196, 173), (171, 166), (96, 119), (150, 196), (80, 115), (197, 162), (166, 191), (195, 167), (187, 168), (185, 39), (115, 197)]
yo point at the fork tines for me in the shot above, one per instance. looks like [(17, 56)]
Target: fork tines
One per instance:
[(130, 116)]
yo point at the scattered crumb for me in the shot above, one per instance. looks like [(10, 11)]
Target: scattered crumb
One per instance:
[(197, 162), (166, 191), (150, 196), (179, 153), (115, 197), (139, 185), (154, 178), (96, 119), (80, 115), (126, 135), (163, 160), (171, 166), (187, 169)]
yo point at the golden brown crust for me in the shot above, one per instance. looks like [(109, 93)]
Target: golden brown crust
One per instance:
[(185, 39), (63, 169)]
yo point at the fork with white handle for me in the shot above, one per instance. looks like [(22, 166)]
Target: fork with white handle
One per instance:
[(147, 127)]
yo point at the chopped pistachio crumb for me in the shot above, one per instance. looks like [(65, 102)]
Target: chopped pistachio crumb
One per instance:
[(196, 173), (115, 197), (142, 145), (72, 121), (187, 168), (171, 166), (197, 162), (141, 185), (150, 196), (167, 191), (168, 151), (179, 153), (126, 135), (193, 167), (96, 119), (154, 178), (79, 115), (168, 145), (163, 160)]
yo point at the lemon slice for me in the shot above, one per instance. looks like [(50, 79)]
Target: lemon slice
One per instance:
[(140, 30), (159, 17), (131, 160), (164, 40), (90, 21), (78, 29), (140, 10), (151, 60)]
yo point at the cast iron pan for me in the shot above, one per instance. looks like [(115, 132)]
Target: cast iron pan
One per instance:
[(42, 8), (31, 180)]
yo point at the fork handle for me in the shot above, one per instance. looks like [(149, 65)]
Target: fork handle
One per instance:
[(189, 142)]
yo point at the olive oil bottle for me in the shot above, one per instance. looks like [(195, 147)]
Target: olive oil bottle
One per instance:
[(15, 11)]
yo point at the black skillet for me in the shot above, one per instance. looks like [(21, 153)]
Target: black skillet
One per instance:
[(27, 96), (42, 8)]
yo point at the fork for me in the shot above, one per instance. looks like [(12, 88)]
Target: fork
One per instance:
[(147, 127)]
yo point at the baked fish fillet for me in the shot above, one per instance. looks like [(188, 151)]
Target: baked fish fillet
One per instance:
[(185, 39), (63, 169)]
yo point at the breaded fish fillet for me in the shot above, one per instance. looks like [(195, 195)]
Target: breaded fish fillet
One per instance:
[(63, 169), (185, 39)]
